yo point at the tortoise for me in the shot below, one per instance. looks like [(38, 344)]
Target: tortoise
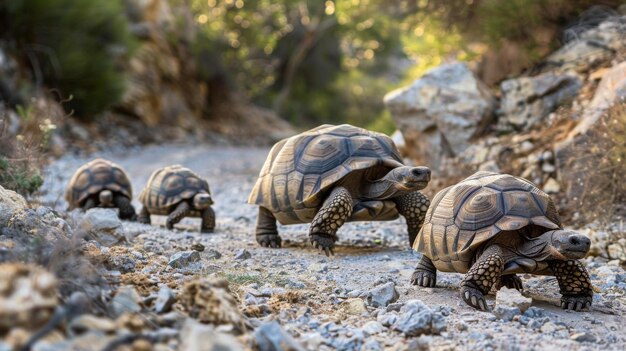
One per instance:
[(177, 192), (101, 183), (492, 226), (332, 174)]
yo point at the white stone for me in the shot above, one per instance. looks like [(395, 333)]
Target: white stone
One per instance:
[(512, 298)]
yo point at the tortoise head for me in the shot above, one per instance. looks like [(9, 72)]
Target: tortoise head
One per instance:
[(409, 179), (568, 244), (106, 198), (202, 201)]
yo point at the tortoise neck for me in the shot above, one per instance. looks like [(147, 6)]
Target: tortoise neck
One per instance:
[(383, 188)]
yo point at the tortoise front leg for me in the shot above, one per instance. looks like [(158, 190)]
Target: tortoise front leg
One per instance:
[(481, 277), (90, 203), (144, 216), (574, 282), (127, 211), (266, 230), (413, 207), (208, 221), (336, 210), (179, 213), (425, 273)]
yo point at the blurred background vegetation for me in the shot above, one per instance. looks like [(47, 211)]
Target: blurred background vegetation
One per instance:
[(310, 61)]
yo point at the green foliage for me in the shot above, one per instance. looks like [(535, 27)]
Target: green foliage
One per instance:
[(74, 46), (19, 176)]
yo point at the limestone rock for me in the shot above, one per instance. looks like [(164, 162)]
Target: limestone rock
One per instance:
[(354, 306), (104, 226), (383, 295), (512, 298), (440, 112), (28, 296), (526, 101), (416, 319)]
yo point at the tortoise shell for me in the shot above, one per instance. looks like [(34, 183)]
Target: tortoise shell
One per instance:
[(170, 185), (300, 170), (95, 176), (463, 217)]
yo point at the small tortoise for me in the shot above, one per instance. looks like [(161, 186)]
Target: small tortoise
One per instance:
[(492, 226), (177, 192), (101, 183), (333, 174)]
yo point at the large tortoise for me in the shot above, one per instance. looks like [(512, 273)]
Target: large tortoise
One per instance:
[(101, 183), (332, 174), (492, 226), (177, 192)]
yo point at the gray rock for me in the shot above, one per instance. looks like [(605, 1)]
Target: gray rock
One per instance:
[(122, 263), (87, 322), (199, 337), (165, 299), (10, 203), (526, 101), (441, 112), (104, 226), (416, 319), (506, 313), (272, 337), (383, 295), (387, 319), (126, 300), (372, 345), (242, 254), (512, 298), (213, 254), (372, 327), (583, 337), (183, 259)]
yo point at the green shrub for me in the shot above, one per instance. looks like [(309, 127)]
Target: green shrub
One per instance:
[(74, 46)]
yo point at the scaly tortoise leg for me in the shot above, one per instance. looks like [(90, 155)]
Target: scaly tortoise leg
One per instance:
[(208, 221), (144, 216), (481, 277), (336, 210), (574, 282), (425, 273), (511, 281), (266, 230), (177, 215), (413, 207), (90, 203), (127, 211)]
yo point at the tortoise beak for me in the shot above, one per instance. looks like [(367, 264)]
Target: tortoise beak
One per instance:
[(570, 244), (417, 178)]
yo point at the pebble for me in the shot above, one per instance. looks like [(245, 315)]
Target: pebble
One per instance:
[(272, 337), (354, 306), (126, 300), (416, 319), (242, 254), (213, 254), (183, 259), (583, 337), (165, 299), (383, 295), (506, 313), (372, 327), (512, 298)]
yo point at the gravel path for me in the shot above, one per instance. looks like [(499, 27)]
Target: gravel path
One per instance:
[(336, 296)]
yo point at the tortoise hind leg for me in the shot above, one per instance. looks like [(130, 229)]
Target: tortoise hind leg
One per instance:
[(266, 230), (425, 273), (481, 277), (177, 215), (208, 221), (510, 281), (413, 207), (127, 211), (90, 203), (574, 282), (144, 216), (336, 210)]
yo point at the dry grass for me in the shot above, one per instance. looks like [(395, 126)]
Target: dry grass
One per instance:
[(594, 171)]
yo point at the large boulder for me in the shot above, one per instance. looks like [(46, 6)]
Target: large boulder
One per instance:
[(590, 47), (440, 113), (526, 101)]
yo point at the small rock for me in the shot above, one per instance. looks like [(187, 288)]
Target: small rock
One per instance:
[(104, 226), (416, 319), (512, 298), (242, 254), (548, 327), (372, 327), (165, 299), (88, 322), (394, 306), (213, 254), (126, 300), (354, 306), (551, 186), (372, 345), (534, 312), (387, 319), (199, 337), (583, 337), (548, 168), (383, 295), (183, 259), (197, 247), (506, 313), (272, 337)]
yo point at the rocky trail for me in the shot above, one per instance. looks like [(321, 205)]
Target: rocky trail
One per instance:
[(359, 299)]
